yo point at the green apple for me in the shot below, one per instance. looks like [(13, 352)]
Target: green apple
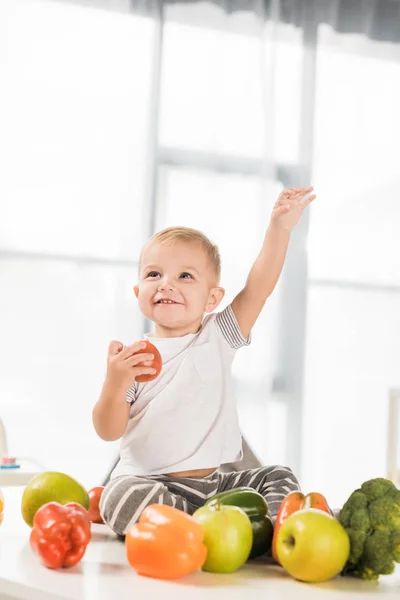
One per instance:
[(228, 536), (312, 545), (51, 486)]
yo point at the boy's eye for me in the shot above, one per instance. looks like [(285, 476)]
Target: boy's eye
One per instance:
[(153, 274), (188, 274)]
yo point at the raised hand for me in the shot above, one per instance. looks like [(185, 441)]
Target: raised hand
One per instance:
[(289, 207)]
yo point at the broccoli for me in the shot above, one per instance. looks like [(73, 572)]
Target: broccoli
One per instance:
[(371, 517)]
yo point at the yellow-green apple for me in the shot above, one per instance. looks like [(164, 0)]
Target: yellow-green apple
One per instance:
[(228, 536), (312, 546)]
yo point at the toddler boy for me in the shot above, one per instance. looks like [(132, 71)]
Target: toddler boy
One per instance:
[(179, 428)]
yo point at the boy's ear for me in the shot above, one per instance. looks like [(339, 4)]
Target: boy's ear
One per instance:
[(136, 290), (214, 298)]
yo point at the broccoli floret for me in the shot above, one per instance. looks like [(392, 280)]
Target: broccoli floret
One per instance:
[(357, 542), (383, 512), (396, 545), (360, 520), (371, 517), (377, 488), (365, 573), (378, 554), (357, 501)]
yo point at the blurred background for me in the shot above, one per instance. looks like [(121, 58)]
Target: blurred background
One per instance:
[(119, 118)]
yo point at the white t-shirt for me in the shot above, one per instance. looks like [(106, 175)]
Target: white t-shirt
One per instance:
[(187, 417)]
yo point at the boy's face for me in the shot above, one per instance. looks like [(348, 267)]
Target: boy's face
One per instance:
[(179, 272)]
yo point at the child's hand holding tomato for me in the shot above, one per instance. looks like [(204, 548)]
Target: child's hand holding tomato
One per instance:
[(140, 361)]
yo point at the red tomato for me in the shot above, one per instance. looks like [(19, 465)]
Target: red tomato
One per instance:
[(156, 363), (94, 511)]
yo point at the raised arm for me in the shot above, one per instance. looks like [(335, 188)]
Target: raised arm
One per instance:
[(265, 272)]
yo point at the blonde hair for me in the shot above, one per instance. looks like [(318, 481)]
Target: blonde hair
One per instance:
[(171, 235)]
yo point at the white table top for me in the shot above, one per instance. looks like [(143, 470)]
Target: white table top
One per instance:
[(104, 574)]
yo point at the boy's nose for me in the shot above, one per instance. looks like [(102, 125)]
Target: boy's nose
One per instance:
[(165, 285)]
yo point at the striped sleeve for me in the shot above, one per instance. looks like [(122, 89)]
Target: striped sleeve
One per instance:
[(131, 394), (229, 327)]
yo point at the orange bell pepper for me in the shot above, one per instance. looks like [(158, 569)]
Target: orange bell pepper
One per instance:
[(293, 502), (166, 543), (1, 507)]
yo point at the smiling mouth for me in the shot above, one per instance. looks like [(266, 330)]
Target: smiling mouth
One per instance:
[(166, 302)]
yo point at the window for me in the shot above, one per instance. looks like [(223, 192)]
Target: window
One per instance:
[(229, 119), (232, 210), (74, 120), (353, 326)]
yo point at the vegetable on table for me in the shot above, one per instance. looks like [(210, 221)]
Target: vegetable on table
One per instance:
[(256, 508), (94, 509), (166, 543), (371, 517), (60, 534), (156, 362), (293, 502), (1, 507)]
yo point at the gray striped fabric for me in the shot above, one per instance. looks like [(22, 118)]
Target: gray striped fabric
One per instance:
[(131, 393), (229, 327), (125, 497)]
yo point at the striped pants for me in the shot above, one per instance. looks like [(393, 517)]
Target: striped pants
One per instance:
[(125, 497)]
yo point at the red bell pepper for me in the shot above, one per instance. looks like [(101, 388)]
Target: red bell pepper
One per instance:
[(166, 543), (293, 502), (60, 534)]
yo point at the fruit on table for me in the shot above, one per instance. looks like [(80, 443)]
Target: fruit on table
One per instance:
[(312, 545), (293, 502), (156, 363), (256, 508), (1, 507), (166, 543), (51, 486), (94, 510), (228, 536), (60, 534), (371, 517)]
